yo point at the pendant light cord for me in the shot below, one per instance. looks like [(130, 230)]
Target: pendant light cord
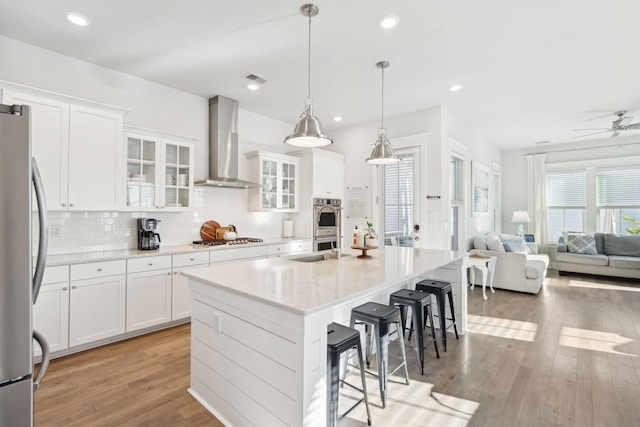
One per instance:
[(309, 63), (382, 108)]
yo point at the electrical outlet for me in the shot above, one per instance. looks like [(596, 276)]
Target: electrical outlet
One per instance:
[(56, 231), (217, 322)]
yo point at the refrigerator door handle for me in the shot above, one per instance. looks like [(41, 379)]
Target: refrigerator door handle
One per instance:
[(42, 229), (46, 357)]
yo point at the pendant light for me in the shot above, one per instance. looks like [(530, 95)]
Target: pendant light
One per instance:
[(382, 153), (308, 132)]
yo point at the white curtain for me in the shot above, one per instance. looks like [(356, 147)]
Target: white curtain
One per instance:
[(537, 200)]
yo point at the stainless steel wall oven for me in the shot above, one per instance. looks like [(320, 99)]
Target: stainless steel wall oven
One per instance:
[(326, 220)]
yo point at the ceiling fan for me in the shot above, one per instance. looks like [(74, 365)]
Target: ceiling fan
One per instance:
[(621, 124)]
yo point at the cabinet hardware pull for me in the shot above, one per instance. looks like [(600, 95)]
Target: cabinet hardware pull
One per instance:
[(169, 273), (74, 287), (150, 264), (190, 259), (64, 289), (99, 269), (64, 205), (70, 205)]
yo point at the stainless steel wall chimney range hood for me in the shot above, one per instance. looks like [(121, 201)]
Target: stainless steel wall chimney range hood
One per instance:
[(223, 145)]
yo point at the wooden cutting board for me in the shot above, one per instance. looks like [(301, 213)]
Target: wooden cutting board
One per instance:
[(208, 230)]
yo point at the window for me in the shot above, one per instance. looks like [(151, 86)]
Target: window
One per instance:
[(566, 202), (398, 187), (618, 200), (457, 198)]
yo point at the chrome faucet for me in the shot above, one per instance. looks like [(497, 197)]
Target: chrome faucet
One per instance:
[(334, 250)]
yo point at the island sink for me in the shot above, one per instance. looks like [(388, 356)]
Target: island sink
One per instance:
[(318, 257)]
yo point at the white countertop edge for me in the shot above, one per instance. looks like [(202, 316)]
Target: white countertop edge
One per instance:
[(85, 257)]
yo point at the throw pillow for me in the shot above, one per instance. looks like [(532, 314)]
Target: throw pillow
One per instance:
[(582, 244), (479, 243), (615, 244), (494, 244), (515, 245)]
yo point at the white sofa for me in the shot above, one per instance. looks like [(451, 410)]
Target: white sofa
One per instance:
[(522, 271)]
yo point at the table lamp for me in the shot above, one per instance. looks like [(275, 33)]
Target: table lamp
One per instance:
[(520, 217)]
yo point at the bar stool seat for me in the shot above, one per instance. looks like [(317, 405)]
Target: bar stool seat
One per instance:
[(440, 290), (380, 316), (339, 340), (420, 303)]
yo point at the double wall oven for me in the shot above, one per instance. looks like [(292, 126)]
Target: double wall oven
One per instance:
[(326, 223)]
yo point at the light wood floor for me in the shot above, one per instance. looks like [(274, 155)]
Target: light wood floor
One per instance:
[(569, 356)]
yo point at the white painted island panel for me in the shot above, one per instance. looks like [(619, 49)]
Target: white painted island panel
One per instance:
[(248, 312)]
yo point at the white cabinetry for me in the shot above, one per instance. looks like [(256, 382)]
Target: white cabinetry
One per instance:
[(78, 149), (97, 301), (159, 173), (300, 247), (324, 170), (181, 294), (148, 291), (278, 176), (235, 254), (51, 311), (277, 250)]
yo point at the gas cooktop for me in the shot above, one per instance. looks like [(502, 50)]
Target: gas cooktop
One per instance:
[(220, 242)]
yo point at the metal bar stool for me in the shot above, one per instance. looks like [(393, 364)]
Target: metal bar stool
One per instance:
[(340, 339), (440, 289), (420, 303), (380, 316)]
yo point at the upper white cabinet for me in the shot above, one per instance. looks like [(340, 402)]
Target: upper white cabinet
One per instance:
[(78, 149), (278, 176), (325, 170), (159, 173)]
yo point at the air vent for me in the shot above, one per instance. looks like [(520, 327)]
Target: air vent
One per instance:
[(255, 78)]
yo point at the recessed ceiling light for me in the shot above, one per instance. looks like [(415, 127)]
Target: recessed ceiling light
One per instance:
[(77, 19), (455, 88), (253, 86), (337, 119), (388, 22)]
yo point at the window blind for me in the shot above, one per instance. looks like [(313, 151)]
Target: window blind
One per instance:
[(618, 187), (398, 195), (566, 189), (457, 181)]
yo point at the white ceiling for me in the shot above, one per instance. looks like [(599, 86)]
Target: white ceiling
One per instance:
[(531, 70)]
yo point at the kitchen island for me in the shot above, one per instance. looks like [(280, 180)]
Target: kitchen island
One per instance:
[(258, 339)]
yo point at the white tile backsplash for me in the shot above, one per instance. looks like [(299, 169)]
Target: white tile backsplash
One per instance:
[(71, 232)]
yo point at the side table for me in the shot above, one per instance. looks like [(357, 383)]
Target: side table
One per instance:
[(487, 265)]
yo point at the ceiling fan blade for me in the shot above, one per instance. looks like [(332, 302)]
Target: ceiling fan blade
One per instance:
[(634, 126), (615, 133), (589, 134)]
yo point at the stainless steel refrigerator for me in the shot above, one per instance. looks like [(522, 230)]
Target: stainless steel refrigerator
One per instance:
[(20, 279)]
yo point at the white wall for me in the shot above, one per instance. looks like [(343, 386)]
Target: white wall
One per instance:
[(436, 127), (151, 106)]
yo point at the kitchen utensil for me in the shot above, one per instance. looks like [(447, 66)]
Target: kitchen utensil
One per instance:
[(208, 230), (221, 230), (230, 235)]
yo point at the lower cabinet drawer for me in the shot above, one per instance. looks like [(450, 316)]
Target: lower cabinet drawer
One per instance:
[(137, 265), (98, 269)]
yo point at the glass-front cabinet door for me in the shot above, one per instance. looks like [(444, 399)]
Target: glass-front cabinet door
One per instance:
[(159, 173), (288, 186), (269, 184), (141, 172), (277, 175), (178, 167)]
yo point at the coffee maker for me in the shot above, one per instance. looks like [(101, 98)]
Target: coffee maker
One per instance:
[(148, 239)]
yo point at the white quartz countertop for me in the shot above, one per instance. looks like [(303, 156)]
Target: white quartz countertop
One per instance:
[(83, 257), (305, 287)]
